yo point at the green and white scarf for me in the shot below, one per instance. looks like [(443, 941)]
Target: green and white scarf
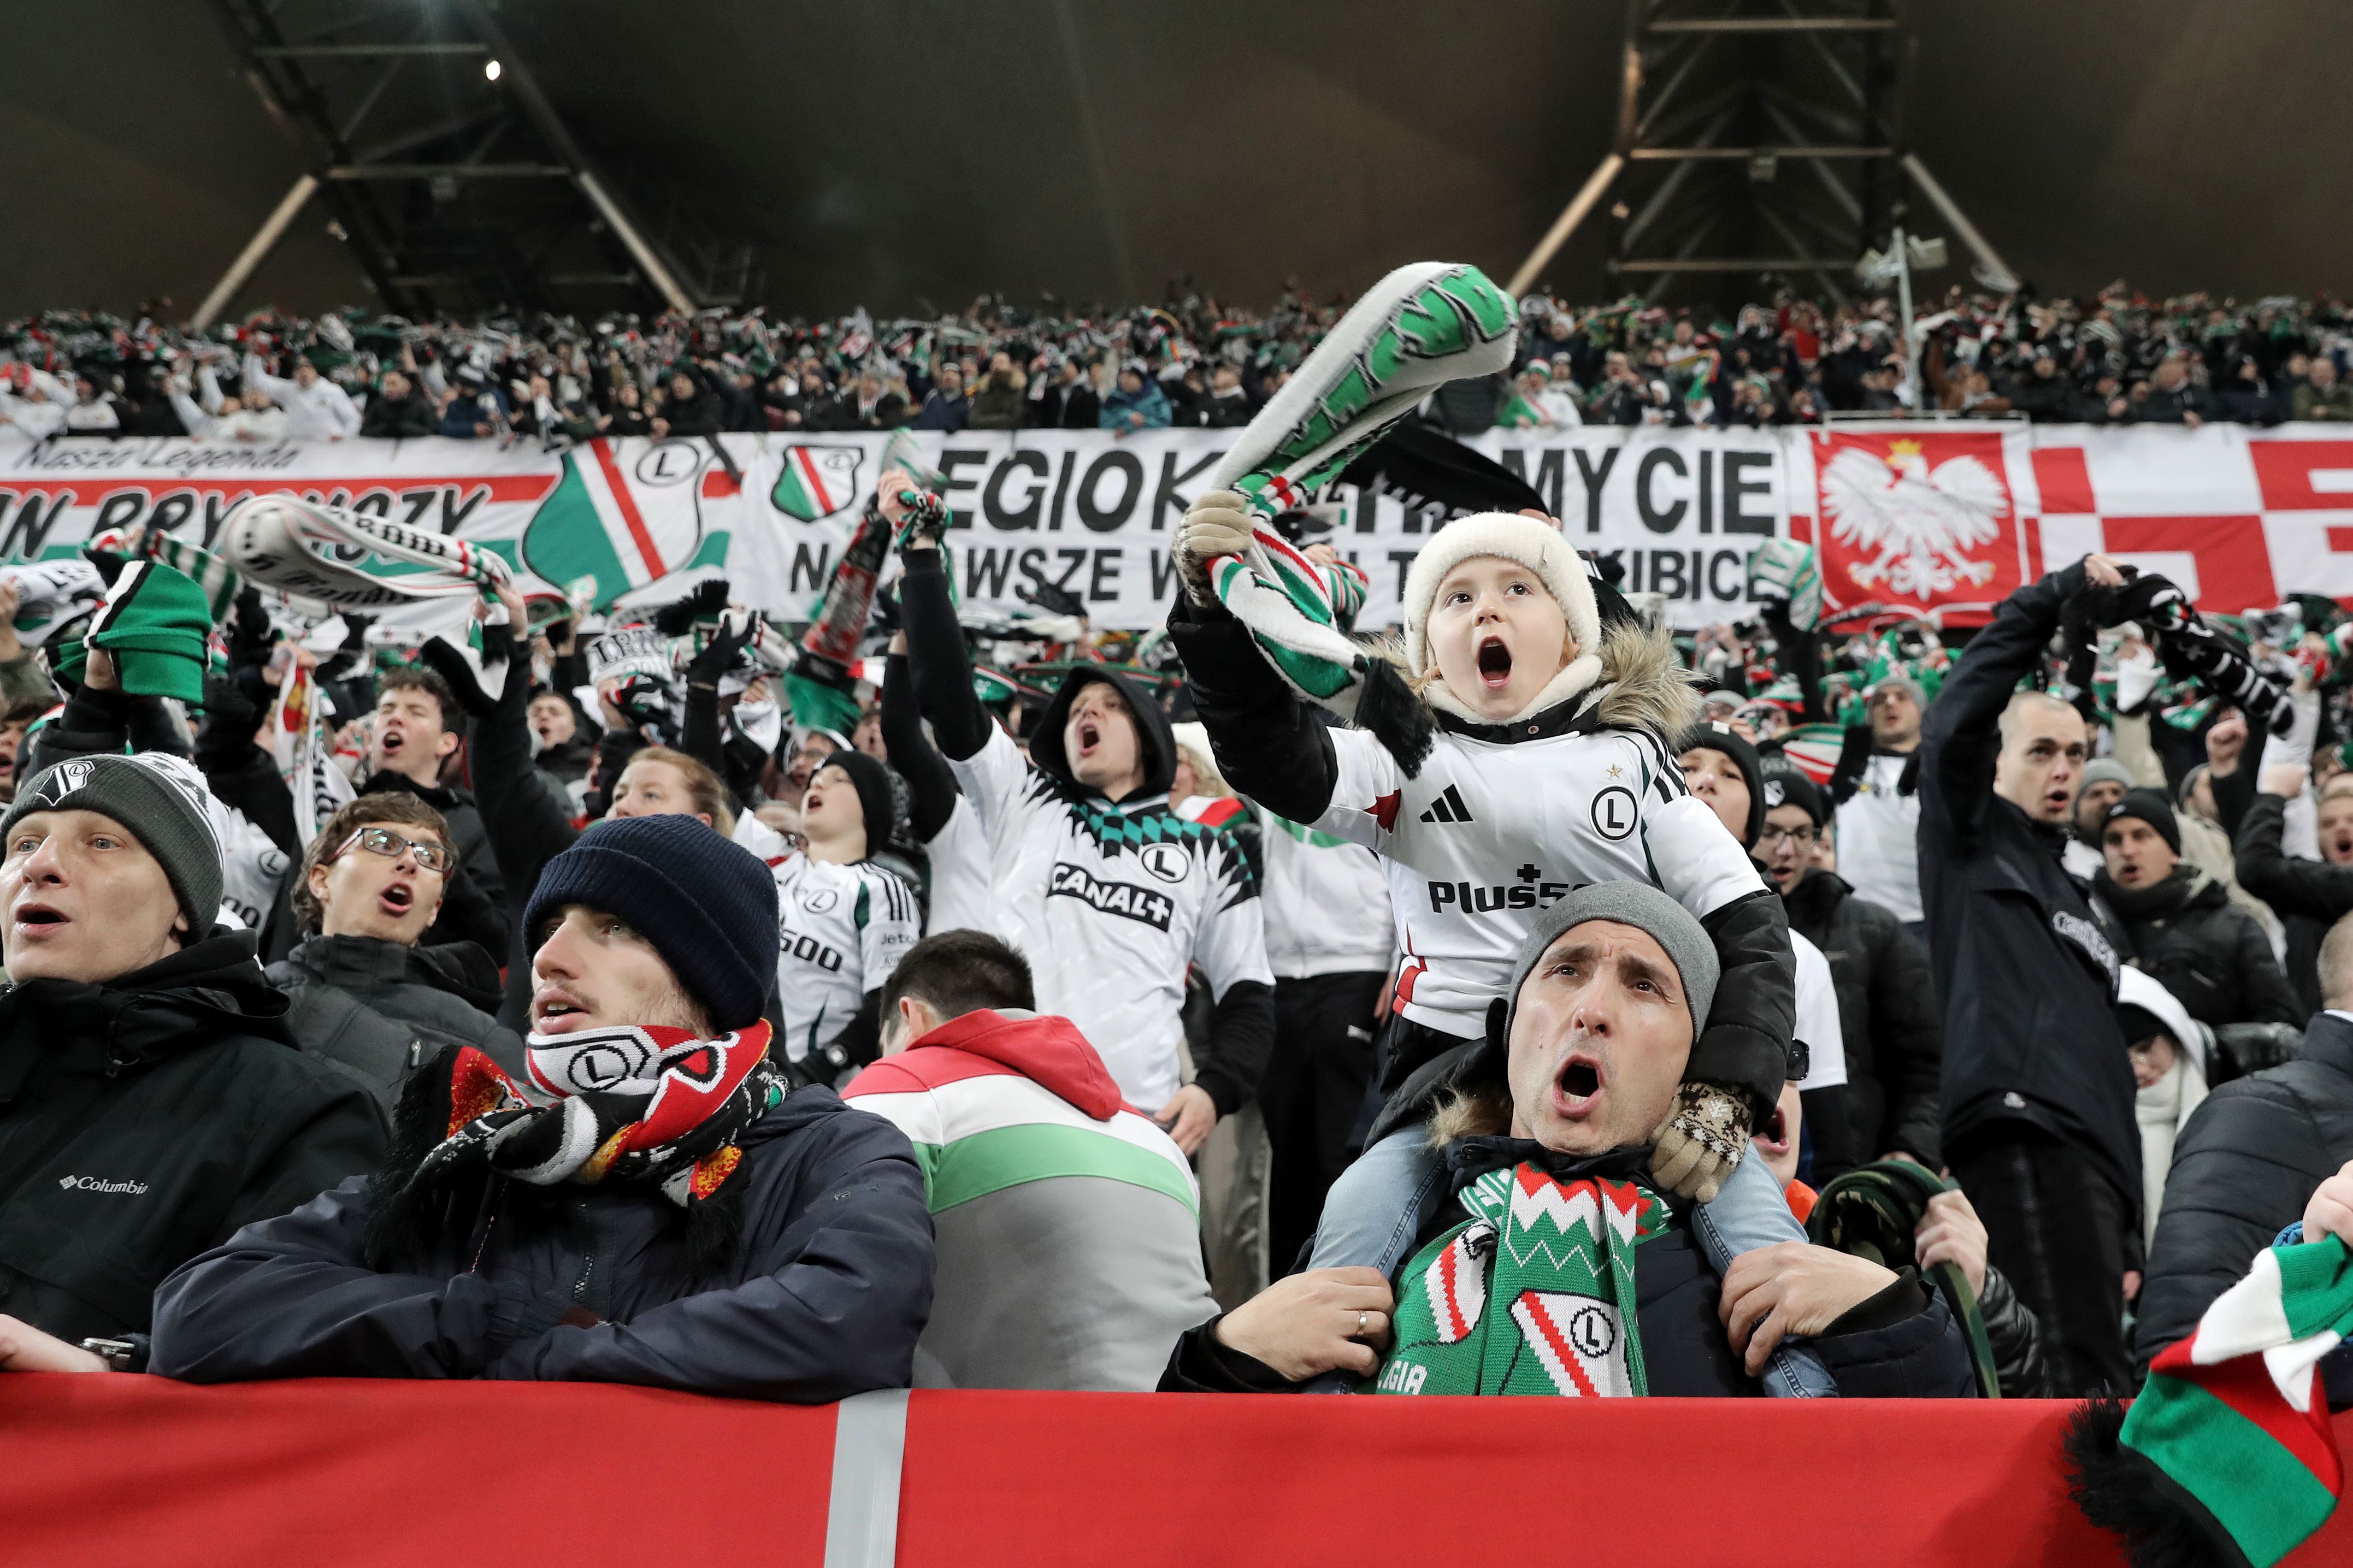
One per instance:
[(2229, 1449), (1416, 330), (1533, 1294)]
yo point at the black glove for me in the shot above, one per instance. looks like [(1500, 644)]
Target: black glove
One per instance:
[(2152, 601), (707, 603), (737, 631), (450, 664), (642, 702), (250, 637)]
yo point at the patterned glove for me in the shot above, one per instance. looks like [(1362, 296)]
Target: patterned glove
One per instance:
[(1694, 1149), (1216, 524), (926, 521)]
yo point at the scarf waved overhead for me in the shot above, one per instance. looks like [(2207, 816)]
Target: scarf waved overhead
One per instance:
[(351, 560), (1416, 330), (1533, 1294), (634, 1103)]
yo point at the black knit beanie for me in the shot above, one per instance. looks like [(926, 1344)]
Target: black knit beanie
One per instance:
[(708, 905), (875, 800), (2150, 806), (1715, 736), (1785, 785)]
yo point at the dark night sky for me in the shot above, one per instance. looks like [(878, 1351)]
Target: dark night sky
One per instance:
[(902, 149)]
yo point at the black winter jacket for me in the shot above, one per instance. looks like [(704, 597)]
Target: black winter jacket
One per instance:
[(2207, 952), (1902, 1343), (1887, 1011), (2308, 896), (2027, 982), (376, 1009), (2243, 1168), (822, 1298), (2015, 1336), (144, 1120)]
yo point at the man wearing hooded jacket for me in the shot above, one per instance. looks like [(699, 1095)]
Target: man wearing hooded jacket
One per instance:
[(2037, 1086), (152, 1101), (1109, 893)]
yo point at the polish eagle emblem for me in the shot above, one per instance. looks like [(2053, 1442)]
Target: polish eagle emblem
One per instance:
[(1922, 525)]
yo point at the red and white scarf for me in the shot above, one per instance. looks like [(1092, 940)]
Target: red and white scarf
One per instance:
[(633, 1102)]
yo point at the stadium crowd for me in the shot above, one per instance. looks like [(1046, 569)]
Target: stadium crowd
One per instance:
[(784, 1014), (2111, 358), (1524, 999)]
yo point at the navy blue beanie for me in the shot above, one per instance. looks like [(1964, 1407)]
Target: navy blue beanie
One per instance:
[(708, 905)]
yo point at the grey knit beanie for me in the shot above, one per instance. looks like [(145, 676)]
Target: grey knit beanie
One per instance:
[(1637, 904), (2104, 770), (160, 800)]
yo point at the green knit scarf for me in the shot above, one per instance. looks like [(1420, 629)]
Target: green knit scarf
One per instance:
[(1559, 1257)]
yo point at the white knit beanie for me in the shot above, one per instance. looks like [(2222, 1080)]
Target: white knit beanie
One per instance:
[(1534, 544)]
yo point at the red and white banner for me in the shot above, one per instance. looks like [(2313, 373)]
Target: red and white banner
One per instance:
[(1910, 516), (1951, 516)]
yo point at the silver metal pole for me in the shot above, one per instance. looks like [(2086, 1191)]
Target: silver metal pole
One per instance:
[(265, 240), (1950, 210), (656, 273), (1903, 310), (1579, 205)]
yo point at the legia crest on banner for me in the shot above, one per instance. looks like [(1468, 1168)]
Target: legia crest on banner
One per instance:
[(815, 482), (626, 514)]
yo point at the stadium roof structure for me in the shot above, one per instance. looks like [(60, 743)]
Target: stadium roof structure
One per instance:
[(902, 153)]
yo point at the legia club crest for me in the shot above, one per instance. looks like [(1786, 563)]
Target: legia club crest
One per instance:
[(1923, 526), (816, 481)]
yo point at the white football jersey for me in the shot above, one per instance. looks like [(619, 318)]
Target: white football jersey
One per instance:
[(1327, 903), (840, 930), (1111, 904), (1491, 831), (959, 857), (1818, 1017)]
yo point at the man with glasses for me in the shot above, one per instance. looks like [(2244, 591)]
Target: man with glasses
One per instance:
[(1886, 1000), (368, 995)]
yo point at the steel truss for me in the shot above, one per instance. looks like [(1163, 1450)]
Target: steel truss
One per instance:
[(1758, 138)]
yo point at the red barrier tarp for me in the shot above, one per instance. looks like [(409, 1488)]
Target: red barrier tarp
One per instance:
[(139, 1470)]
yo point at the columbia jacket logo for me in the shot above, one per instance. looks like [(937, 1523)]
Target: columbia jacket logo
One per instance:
[(1447, 808), (100, 1184), (1069, 881)]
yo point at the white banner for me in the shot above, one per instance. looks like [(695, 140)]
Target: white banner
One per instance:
[(1915, 515)]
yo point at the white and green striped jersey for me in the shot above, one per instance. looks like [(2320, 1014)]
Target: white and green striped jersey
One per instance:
[(840, 930)]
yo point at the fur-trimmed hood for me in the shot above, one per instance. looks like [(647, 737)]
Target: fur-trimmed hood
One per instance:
[(1640, 685)]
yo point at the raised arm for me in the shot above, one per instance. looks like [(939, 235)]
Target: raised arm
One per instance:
[(1959, 736), (2290, 887), (931, 783), (936, 659), (1269, 745)]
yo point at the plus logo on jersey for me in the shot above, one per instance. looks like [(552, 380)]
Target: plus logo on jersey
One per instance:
[(1447, 808), (1530, 892), (1124, 899)]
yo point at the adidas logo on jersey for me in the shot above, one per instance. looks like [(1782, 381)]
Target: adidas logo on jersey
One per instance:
[(1447, 808), (1135, 903)]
